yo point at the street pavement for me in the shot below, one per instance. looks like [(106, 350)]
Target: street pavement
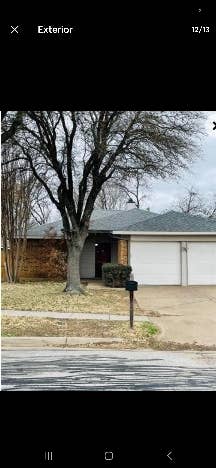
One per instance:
[(106, 370)]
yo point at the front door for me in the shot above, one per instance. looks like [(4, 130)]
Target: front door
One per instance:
[(102, 255)]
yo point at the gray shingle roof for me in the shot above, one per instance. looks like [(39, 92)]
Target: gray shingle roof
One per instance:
[(41, 231), (120, 219), (175, 222), (132, 220), (101, 220)]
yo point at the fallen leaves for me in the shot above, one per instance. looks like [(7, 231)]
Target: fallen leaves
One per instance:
[(49, 296)]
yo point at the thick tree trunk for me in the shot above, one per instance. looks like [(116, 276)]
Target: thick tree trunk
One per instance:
[(74, 246)]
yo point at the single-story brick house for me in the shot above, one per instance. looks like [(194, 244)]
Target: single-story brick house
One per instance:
[(163, 249)]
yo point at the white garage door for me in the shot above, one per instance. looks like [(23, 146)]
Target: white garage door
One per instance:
[(201, 263), (156, 262)]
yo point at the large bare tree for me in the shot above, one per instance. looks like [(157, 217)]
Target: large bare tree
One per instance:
[(111, 197), (40, 205), (10, 123), (23, 203), (137, 188), (17, 184), (81, 151), (194, 203), (118, 190)]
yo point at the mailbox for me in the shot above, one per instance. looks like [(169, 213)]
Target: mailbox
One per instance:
[(131, 285)]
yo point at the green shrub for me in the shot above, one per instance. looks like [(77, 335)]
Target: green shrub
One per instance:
[(115, 275)]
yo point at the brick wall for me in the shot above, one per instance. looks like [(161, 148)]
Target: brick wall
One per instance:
[(38, 259), (123, 251)]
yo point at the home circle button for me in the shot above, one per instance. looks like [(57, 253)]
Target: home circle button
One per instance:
[(108, 456)]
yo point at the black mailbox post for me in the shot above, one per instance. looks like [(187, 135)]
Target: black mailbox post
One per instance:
[(131, 286)]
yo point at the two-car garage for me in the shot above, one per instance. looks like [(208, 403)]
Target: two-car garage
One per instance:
[(201, 262), (155, 262), (173, 262)]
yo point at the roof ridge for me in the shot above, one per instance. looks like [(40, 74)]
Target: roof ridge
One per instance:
[(142, 221), (176, 219)]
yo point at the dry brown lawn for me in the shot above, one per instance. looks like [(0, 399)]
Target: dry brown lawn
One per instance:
[(28, 326), (49, 296), (144, 335)]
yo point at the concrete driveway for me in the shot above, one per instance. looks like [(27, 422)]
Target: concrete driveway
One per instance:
[(184, 314)]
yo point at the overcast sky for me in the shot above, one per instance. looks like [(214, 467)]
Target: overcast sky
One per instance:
[(202, 175)]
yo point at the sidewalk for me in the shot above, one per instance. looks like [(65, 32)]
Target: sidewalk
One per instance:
[(50, 341), (62, 341), (73, 315)]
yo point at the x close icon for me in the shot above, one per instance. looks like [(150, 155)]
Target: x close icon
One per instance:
[(14, 29)]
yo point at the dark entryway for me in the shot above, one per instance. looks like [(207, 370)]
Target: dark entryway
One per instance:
[(102, 255)]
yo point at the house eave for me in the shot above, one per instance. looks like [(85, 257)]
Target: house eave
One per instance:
[(44, 237), (104, 231), (62, 237), (166, 233)]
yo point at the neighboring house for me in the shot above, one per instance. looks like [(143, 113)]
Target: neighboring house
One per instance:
[(163, 249)]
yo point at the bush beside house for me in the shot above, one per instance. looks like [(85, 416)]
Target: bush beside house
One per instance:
[(115, 275)]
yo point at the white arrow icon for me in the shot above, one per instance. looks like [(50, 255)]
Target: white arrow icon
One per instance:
[(168, 455)]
